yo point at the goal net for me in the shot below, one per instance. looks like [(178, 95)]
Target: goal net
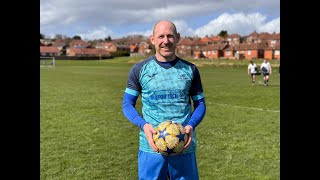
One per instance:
[(47, 62)]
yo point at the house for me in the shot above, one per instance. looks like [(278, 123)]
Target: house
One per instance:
[(76, 43), (252, 37), (233, 39), (207, 40), (46, 42), (183, 47), (214, 51), (277, 51), (61, 44), (252, 50), (274, 39), (87, 52), (218, 40), (268, 53), (196, 48), (112, 47), (133, 48), (229, 52), (46, 51), (145, 47)]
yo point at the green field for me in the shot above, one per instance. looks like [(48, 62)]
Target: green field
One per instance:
[(84, 135)]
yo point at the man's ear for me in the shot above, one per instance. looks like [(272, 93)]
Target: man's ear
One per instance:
[(152, 39), (178, 37)]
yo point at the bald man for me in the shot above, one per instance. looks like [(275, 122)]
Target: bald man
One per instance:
[(176, 81)]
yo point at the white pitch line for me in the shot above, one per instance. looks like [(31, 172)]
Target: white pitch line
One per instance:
[(259, 109)]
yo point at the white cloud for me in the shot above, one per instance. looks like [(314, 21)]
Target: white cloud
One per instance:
[(99, 33), (71, 17), (239, 23), (144, 33), (272, 26), (183, 28)]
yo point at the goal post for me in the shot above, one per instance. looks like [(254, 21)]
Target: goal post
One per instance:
[(47, 61)]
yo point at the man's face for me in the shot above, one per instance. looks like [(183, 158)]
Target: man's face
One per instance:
[(165, 39)]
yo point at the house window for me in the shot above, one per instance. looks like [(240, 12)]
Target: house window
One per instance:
[(213, 52), (273, 41), (197, 47), (228, 52), (249, 52), (276, 52), (182, 46)]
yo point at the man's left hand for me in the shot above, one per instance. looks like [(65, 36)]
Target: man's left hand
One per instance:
[(189, 131)]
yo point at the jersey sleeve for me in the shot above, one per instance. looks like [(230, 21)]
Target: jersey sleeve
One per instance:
[(196, 93), (133, 79), (132, 91), (196, 90), (130, 112)]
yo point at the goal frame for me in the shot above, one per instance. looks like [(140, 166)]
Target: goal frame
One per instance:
[(49, 64)]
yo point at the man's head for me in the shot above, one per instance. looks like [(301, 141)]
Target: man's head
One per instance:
[(165, 39)]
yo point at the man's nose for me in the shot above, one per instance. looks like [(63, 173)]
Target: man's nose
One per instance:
[(166, 40)]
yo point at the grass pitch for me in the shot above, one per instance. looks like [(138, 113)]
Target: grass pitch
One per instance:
[(84, 135)]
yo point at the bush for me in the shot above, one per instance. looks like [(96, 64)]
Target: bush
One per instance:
[(120, 53)]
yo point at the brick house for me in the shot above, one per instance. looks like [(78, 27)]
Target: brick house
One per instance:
[(183, 47), (76, 43), (277, 51), (214, 51), (49, 51), (252, 50), (87, 52)]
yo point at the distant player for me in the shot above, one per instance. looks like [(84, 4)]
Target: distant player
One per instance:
[(266, 70), (252, 70)]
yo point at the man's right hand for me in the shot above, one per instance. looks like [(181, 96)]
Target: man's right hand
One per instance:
[(149, 131)]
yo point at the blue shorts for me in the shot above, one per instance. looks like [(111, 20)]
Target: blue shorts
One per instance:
[(155, 166), (265, 73)]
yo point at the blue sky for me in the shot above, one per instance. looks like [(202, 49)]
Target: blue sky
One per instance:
[(98, 19)]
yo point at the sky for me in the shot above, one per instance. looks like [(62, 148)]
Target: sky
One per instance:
[(98, 19)]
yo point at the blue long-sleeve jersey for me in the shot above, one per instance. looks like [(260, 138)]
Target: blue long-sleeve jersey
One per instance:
[(166, 91)]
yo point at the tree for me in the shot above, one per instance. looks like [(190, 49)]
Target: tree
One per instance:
[(223, 33), (76, 37), (60, 36), (42, 36), (108, 39)]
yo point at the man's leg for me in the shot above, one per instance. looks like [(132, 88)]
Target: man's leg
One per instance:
[(253, 79), (267, 80), (152, 166), (183, 166), (264, 79)]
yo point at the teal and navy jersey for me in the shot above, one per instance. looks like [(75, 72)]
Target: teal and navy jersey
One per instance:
[(166, 91)]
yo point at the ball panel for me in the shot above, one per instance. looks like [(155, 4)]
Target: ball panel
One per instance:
[(172, 141), (179, 147), (181, 128), (163, 125), (161, 144), (173, 129)]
